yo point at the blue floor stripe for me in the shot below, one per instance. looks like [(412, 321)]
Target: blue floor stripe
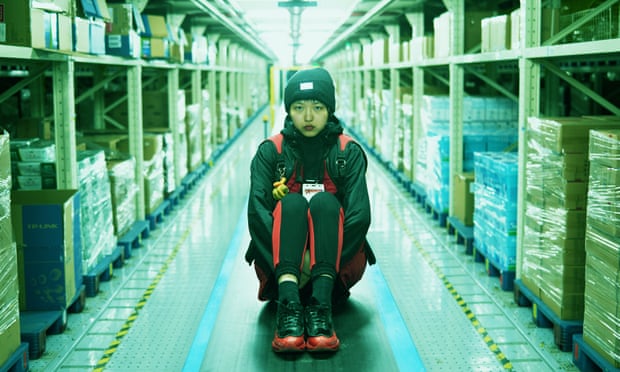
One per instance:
[(405, 353), (207, 323)]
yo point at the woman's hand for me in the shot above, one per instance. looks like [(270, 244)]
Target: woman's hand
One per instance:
[(279, 189)]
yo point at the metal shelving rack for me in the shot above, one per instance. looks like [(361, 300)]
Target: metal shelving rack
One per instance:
[(227, 79), (531, 58)]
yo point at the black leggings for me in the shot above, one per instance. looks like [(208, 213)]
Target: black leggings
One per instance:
[(299, 225)]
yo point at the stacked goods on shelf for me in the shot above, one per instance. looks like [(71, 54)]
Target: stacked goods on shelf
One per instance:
[(601, 324), (405, 135), (89, 26), (495, 209), (197, 47), (96, 217), (123, 189), (153, 168), (155, 38), (157, 120), (121, 33), (194, 140), (121, 173), (207, 126), (489, 124), (38, 24), (33, 164), (9, 299), (556, 180)]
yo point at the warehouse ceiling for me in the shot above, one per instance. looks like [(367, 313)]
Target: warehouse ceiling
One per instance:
[(287, 32)]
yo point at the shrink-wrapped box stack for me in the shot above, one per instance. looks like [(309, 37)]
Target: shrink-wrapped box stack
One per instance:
[(495, 208), (9, 300), (601, 324), (96, 217), (556, 178)]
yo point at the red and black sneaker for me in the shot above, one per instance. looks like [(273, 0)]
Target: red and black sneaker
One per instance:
[(320, 334), (289, 336)]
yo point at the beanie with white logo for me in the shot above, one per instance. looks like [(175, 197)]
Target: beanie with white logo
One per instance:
[(315, 84)]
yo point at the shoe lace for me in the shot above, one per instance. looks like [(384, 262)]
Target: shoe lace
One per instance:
[(320, 317), (289, 316)]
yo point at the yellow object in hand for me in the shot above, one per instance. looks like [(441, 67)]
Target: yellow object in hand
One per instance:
[(279, 189)]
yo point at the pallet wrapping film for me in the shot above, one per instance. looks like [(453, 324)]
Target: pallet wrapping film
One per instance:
[(9, 300), (601, 328), (553, 243)]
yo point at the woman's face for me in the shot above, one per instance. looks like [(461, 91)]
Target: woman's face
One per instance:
[(309, 116)]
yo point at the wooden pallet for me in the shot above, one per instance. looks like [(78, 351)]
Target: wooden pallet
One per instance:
[(587, 359), (17, 361), (544, 317)]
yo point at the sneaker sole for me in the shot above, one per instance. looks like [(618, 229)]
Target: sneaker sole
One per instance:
[(289, 344), (322, 344)]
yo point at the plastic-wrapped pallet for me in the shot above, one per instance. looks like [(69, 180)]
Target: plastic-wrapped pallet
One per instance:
[(9, 300), (123, 190), (97, 228), (495, 207), (193, 130), (489, 124), (601, 326), (553, 265)]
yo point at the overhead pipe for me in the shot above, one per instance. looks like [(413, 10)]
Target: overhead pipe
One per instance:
[(215, 13), (377, 9)]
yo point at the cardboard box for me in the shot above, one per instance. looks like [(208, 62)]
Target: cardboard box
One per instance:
[(43, 223), (155, 26), (515, 29), (123, 45), (81, 35), (30, 27), (97, 36), (605, 147), (39, 151), (121, 19), (464, 198), (564, 135), (65, 33)]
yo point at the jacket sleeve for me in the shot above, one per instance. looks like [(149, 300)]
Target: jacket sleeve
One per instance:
[(261, 203), (355, 202)]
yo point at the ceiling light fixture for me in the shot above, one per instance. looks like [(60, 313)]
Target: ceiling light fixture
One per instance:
[(295, 8)]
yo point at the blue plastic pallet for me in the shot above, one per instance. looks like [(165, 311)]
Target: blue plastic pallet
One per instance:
[(157, 216), (464, 234), (441, 217), (544, 317), (587, 359), (18, 361), (36, 325), (132, 238), (506, 276), (175, 197), (103, 271)]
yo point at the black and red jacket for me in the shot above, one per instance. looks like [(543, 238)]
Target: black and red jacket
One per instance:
[(347, 180)]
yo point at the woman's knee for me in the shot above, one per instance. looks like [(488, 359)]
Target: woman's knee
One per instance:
[(294, 201), (324, 201)]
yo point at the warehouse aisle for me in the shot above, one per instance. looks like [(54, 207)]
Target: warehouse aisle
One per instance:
[(187, 299)]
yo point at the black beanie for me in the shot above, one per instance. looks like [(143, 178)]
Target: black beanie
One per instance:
[(315, 84)]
